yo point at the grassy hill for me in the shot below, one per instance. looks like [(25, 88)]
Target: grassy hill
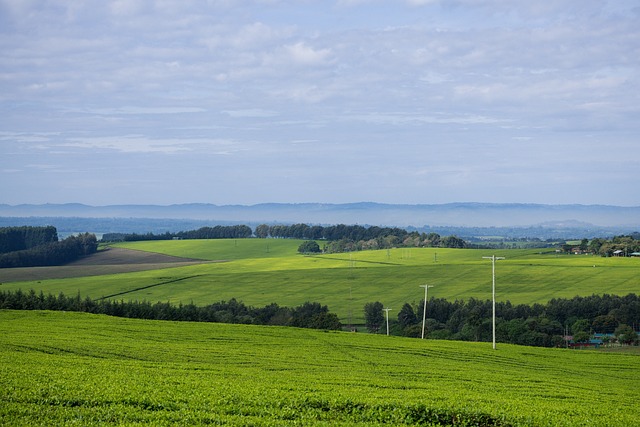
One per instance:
[(81, 369), (262, 271)]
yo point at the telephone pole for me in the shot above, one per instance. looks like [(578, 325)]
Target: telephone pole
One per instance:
[(424, 308), (387, 311), (493, 259)]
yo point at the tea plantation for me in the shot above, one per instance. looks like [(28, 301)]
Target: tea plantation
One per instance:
[(60, 368)]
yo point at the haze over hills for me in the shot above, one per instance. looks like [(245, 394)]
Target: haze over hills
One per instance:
[(365, 213)]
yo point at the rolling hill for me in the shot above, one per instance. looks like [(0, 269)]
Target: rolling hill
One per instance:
[(61, 368), (262, 271)]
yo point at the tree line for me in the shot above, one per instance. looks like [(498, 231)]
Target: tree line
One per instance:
[(14, 239), (308, 315), (534, 325), (216, 232), (40, 247), (338, 238), (345, 238)]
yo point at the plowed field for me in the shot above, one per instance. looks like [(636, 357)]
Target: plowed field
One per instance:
[(108, 261)]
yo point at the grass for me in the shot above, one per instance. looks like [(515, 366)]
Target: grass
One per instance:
[(259, 272), (81, 369)]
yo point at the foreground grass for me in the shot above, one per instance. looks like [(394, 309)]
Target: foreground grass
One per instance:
[(81, 369), (263, 271)]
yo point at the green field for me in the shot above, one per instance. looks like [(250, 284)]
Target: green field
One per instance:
[(261, 271), (81, 369)]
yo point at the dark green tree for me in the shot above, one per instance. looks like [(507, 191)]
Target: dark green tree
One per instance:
[(310, 246), (327, 321), (584, 245), (453, 242), (406, 316), (310, 315), (604, 324), (581, 336), (626, 335), (373, 316), (262, 231), (582, 325)]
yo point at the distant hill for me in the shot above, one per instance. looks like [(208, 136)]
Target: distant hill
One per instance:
[(433, 215)]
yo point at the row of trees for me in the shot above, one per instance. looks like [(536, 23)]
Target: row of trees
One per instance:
[(14, 239), (535, 325), (338, 238), (308, 315), (410, 241), (217, 232), (343, 237), (333, 232), (55, 253)]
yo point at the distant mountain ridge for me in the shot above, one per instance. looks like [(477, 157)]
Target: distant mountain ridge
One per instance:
[(364, 213)]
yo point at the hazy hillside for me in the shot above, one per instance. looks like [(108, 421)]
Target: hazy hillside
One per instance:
[(452, 214)]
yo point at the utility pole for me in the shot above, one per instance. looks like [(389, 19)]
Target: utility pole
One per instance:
[(387, 311), (424, 308), (350, 324), (493, 259)]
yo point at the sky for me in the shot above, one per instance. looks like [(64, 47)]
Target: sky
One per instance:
[(328, 101)]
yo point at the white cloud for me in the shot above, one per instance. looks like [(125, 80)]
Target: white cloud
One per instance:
[(130, 110), (142, 144), (421, 2), (402, 119), (253, 112), (302, 54), (376, 85)]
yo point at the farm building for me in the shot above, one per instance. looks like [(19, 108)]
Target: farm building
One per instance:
[(592, 343)]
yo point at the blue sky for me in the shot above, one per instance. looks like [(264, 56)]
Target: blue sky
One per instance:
[(245, 102)]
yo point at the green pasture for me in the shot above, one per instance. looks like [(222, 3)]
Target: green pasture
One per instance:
[(219, 249), (61, 368), (262, 271)]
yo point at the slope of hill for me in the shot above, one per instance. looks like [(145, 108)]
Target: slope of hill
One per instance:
[(263, 271), (129, 372)]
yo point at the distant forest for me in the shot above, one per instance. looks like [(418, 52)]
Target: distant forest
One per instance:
[(39, 246), (14, 239), (347, 238), (537, 236), (338, 238), (217, 232)]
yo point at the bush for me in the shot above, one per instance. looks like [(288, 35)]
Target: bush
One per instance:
[(310, 246)]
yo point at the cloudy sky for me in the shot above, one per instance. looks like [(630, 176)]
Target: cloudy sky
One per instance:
[(332, 101)]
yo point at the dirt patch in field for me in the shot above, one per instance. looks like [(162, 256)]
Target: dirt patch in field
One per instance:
[(112, 256), (107, 261)]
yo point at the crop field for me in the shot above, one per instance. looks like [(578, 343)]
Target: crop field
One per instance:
[(262, 271), (108, 261), (61, 368)]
